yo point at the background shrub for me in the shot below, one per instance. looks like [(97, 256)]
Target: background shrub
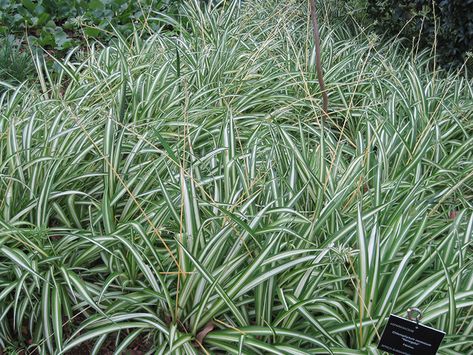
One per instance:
[(450, 20)]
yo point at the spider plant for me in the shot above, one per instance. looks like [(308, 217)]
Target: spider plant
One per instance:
[(181, 191)]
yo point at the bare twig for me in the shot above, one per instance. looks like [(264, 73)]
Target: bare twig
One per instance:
[(318, 64)]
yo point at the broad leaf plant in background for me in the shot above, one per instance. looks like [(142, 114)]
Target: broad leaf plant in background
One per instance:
[(62, 24)]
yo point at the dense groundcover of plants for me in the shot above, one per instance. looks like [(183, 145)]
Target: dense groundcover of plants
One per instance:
[(182, 195)]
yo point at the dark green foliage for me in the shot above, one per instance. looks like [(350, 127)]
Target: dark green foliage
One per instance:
[(447, 22), (61, 24)]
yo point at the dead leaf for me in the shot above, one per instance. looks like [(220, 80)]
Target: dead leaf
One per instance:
[(203, 333)]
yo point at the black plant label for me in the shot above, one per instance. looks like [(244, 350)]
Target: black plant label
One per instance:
[(405, 337)]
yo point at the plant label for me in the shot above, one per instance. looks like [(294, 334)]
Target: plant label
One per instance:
[(405, 337)]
